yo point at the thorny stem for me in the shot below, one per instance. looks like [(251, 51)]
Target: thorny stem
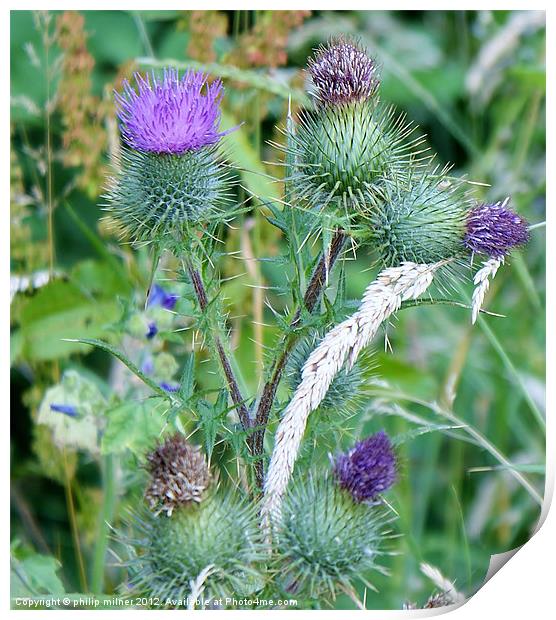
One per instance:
[(310, 299), (235, 393)]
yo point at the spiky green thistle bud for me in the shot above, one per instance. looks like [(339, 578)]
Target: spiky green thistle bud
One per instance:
[(421, 218), (325, 538), (191, 531), (345, 147), (168, 553)]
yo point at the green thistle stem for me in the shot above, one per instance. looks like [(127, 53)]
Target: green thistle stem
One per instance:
[(106, 516), (235, 392), (310, 299)]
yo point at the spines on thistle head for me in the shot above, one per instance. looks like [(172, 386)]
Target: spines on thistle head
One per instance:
[(420, 217), (346, 145), (171, 179)]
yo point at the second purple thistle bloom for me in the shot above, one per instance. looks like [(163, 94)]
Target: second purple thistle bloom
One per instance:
[(170, 114), (494, 230), (368, 469)]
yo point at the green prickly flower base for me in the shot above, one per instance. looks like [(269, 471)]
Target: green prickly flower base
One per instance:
[(342, 153), (221, 531), (160, 195), (422, 221), (325, 538)]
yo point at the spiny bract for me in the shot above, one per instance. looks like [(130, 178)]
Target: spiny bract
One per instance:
[(341, 154), (168, 553), (162, 197), (325, 539), (420, 219)]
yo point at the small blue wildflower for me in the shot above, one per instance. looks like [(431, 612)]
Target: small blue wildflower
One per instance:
[(494, 230), (170, 115), (170, 387), (368, 469), (152, 331), (159, 297), (68, 410), (147, 366)]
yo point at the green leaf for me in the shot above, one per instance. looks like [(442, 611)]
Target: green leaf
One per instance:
[(187, 381), (36, 574), (134, 426), (61, 310)]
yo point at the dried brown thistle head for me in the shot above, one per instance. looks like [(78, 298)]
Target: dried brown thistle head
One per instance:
[(179, 475)]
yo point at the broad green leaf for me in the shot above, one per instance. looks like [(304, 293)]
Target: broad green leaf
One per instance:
[(61, 310), (35, 574)]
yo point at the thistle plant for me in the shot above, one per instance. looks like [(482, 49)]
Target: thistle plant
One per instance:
[(172, 181), (355, 176)]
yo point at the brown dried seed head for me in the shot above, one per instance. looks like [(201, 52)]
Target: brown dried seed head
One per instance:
[(179, 475)]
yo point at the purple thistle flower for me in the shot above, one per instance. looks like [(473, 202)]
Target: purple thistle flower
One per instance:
[(368, 469), (159, 297), (343, 73), (152, 331), (170, 115), (68, 410), (494, 230)]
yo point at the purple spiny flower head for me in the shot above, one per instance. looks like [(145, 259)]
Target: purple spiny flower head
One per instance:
[(493, 229), (368, 469), (159, 297), (343, 73), (170, 115)]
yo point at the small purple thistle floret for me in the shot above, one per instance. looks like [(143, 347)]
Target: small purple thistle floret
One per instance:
[(159, 297), (343, 73), (493, 229), (368, 469), (169, 114), (68, 410)]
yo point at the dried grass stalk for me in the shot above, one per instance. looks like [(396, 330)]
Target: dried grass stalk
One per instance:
[(482, 282), (341, 345)]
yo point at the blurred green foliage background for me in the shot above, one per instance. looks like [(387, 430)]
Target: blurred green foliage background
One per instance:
[(473, 81)]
